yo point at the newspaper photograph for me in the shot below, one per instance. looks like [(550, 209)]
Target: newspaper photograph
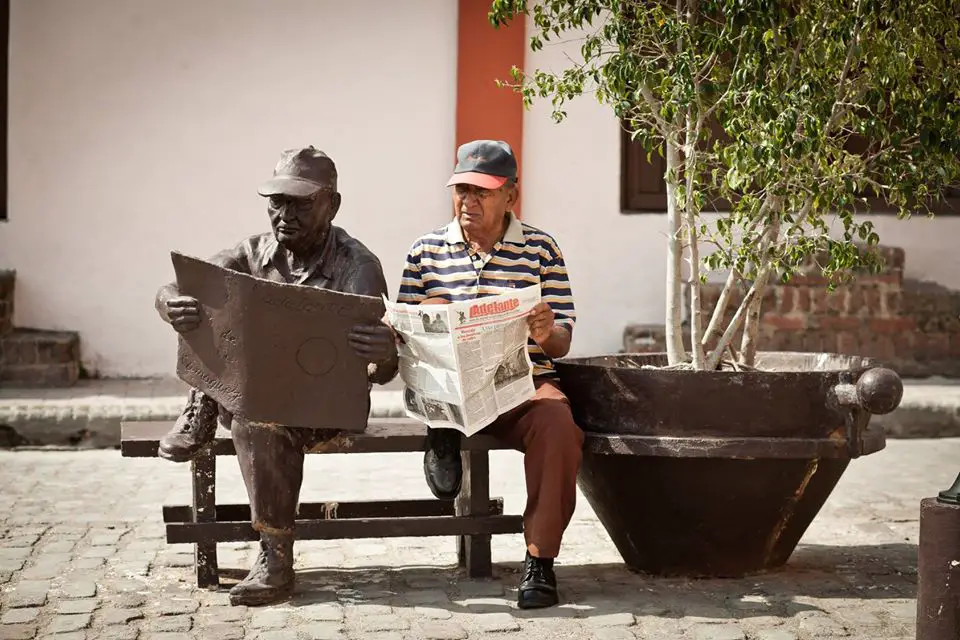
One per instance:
[(465, 363)]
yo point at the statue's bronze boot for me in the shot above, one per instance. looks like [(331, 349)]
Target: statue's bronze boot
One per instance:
[(196, 427), (271, 579)]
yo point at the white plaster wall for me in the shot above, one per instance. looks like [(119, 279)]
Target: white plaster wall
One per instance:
[(617, 262), (141, 126)]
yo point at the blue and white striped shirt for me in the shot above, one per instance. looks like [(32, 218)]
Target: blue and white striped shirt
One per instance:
[(441, 264)]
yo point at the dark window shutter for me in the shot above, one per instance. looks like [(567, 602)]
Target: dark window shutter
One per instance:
[(642, 188)]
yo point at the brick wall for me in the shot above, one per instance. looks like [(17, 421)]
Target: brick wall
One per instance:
[(911, 326), (30, 357)]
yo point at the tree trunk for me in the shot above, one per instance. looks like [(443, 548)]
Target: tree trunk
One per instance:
[(676, 353), (737, 321), (713, 328), (693, 240), (748, 343)]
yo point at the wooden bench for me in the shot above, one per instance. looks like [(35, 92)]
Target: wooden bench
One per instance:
[(473, 517)]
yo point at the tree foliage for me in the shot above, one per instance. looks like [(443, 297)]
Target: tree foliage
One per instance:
[(794, 112)]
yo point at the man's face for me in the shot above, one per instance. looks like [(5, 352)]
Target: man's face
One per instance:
[(481, 210), (298, 222)]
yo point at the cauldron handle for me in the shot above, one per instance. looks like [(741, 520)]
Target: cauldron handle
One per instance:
[(878, 390)]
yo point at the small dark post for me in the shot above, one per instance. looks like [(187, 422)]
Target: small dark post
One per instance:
[(938, 566), (204, 469), (474, 500)]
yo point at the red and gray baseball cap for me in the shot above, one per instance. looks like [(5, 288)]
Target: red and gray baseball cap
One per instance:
[(484, 163), (301, 173)]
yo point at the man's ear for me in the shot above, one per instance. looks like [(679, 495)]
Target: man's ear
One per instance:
[(513, 196), (335, 201)]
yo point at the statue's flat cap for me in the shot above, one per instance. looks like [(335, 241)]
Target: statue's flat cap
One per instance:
[(301, 173)]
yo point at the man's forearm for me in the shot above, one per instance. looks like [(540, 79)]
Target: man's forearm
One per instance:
[(558, 344)]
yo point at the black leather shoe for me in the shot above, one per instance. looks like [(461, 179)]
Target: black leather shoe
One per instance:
[(538, 587), (442, 467)]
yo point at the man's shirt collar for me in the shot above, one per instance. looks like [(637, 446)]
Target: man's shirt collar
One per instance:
[(513, 234)]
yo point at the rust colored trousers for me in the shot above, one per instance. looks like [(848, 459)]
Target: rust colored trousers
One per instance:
[(543, 429), (271, 462)]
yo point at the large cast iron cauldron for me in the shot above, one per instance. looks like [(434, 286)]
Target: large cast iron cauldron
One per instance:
[(719, 473)]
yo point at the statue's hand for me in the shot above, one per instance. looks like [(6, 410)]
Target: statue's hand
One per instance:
[(373, 342), (182, 312)]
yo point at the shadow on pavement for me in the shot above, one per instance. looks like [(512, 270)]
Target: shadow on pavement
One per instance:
[(814, 572)]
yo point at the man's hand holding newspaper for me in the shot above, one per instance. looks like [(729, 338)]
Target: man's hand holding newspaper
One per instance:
[(541, 322), (465, 363)]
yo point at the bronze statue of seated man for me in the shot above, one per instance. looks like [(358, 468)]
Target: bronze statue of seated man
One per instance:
[(303, 248)]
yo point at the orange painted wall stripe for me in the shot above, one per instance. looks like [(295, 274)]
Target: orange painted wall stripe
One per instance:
[(485, 55)]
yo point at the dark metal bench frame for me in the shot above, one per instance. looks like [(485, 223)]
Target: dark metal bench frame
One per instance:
[(473, 517)]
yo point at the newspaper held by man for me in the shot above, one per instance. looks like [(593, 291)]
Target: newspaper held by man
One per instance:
[(465, 363)]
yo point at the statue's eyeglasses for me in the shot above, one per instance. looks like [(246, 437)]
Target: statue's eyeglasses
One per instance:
[(279, 201)]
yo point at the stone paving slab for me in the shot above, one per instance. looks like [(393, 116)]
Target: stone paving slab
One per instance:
[(82, 556)]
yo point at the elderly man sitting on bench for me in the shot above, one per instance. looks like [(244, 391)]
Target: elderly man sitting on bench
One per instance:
[(482, 251)]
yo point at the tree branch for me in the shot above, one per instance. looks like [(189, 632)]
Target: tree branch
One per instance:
[(835, 115), (751, 300), (906, 143), (729, 89), (748, 343), (727, 338), (704, 71), (655, 107), (795, 61), (721, 309)]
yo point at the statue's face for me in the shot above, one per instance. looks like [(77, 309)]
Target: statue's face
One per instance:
[(299, 222)]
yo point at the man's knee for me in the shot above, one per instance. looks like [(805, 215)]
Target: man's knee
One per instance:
[(271, 441), (554, 427)]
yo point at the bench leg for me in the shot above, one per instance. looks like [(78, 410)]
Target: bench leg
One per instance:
[(474, 551), (204, 475)]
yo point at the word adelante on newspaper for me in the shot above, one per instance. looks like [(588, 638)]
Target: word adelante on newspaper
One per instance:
[(493, 308)]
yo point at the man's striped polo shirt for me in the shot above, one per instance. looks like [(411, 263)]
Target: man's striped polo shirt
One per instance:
[(442, 265)]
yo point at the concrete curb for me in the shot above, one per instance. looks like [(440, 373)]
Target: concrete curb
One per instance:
[(930, 409), (95, 424)]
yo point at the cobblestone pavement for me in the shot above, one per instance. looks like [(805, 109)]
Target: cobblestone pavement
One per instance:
[(82, 556)]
